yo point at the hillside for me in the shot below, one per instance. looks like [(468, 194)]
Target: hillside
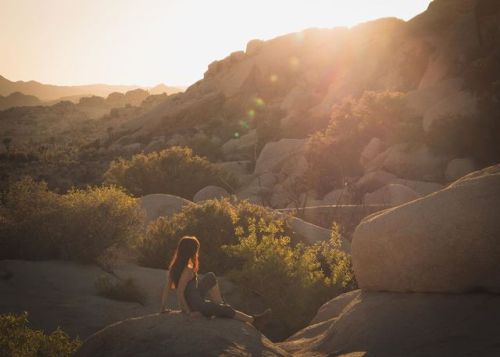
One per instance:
[(403, 107), (48, 92), (294, 80)]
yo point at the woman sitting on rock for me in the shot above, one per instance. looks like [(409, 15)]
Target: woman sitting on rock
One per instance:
[(191, 293)]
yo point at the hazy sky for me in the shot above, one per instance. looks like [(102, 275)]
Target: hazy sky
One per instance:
[(151, 41)]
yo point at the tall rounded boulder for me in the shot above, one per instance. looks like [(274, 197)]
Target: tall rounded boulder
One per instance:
[(161, 204), (448, 241), (209, 193)]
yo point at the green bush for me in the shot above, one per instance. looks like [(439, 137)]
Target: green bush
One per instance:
[(17, 339), (175, 170), (96, 219), (293, 280), (30, 215), (213, 222), (79, 225), (123, 290)]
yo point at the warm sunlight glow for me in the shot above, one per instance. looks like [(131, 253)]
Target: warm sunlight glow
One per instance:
[(151, 41)]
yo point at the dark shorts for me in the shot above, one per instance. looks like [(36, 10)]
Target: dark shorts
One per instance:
[(196, 293)]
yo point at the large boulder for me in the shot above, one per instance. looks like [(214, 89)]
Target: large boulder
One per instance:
[(311, 233), (241, 148), (275, 154), (392, 194), (161, 204), (210, 192), (457, 168), (339, 196), (371, 150), (67, 296), (391, 325), (420, 100), (449, 108), (237, 168), (374, 180), (423, 188), (174, 334), (410, 162), (444, 242), (258, 189)]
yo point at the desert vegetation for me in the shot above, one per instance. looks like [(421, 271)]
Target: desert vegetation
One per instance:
[(329, 125), (79, 225), (352, 124), (17, 338), (289, 277), (175, 170), (120, 290), (252, 246), (214, 222)]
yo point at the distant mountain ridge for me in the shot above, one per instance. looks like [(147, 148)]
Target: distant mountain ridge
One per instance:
[(47, 92)]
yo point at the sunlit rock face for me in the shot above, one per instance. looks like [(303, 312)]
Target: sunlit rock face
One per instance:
[(445, 242)]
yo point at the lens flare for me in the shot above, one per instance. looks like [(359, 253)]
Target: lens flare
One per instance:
[(259, 102)]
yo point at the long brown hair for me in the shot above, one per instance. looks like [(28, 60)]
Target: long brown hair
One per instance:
[(187, 250)]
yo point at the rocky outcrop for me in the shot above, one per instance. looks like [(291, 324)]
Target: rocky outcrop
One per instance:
[(410, 162), (210, 192), (371, 150), (241, 148), (392, 325), (174, 334), (445, 242), (275, 154), (161, 204), (64, 294), (311, 233), (392, 194), (340, 196), (373, 180), (457, 168), (458, 104)]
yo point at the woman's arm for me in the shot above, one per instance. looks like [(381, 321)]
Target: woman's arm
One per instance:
[(164, 297), (186, 276)]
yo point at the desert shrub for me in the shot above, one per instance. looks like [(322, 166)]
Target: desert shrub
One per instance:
[(293, 280), (213, 222), (79, 225), (122, 290), (175, 170), (96, 219), (18, 339), (334, 153), (31, 226)]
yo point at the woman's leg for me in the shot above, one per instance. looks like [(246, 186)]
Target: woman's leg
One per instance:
[(241, 316), (209, 286), (215, 295)]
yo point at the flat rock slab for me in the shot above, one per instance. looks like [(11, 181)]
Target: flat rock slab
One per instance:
[(175, 334)]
